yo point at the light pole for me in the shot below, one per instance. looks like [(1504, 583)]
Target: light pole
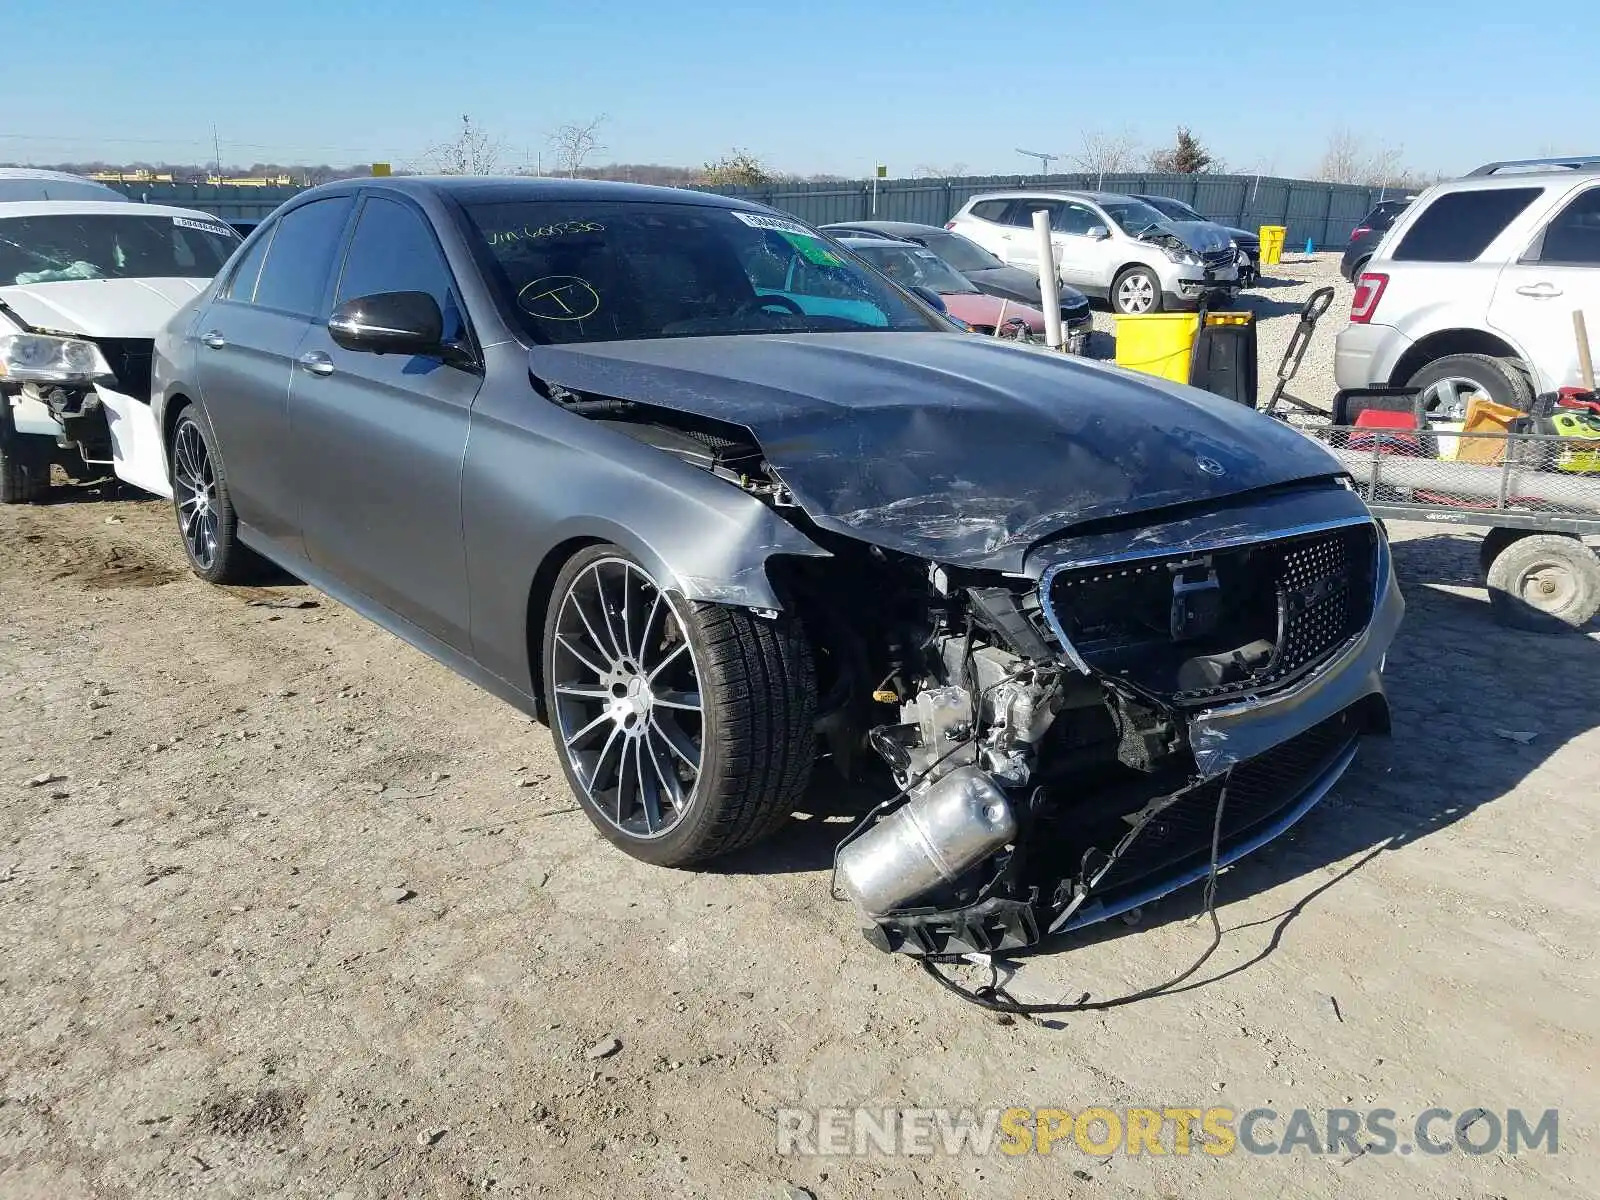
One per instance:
[(1044, 159)]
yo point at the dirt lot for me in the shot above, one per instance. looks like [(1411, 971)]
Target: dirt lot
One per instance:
[(287, 909)]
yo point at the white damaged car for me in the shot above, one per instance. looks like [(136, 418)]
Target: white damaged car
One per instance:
[(84, 286)]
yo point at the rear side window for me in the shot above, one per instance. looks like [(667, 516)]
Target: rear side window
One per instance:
[(1458, 226), (1574, 236), (1021, 211), (302, 255), (990, 210), (242, 287), (1383, 216)]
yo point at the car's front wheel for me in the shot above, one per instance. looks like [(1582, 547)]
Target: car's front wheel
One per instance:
[(207, 522), (1137, 291), (684, 728)]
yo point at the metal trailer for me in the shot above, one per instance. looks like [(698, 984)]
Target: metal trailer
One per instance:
[(1537, 495)]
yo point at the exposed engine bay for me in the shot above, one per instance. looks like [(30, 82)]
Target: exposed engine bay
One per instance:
[(1046, 741)]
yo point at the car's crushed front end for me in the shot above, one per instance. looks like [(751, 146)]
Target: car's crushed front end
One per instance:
[(1063, 757), (1056, 610)]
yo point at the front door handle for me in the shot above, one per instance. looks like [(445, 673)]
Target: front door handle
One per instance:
[(317, 362), (1539, 291), (213, 339)]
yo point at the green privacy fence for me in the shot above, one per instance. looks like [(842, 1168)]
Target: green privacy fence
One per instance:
[(1323, 212)]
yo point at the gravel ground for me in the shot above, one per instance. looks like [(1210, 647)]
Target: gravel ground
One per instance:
[(1277, 301), (288, 909)]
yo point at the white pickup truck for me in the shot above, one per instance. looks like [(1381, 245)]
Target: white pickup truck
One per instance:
[(84, 286)]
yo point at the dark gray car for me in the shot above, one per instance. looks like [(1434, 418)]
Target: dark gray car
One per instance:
[(733, 513)]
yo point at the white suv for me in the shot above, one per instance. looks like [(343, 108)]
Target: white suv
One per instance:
[(1472, 289), (1106, 245)]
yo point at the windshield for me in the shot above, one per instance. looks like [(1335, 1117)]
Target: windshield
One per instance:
[(1175, 210), (51, 249), (914, 266), (598, 271), (960, 253), (1134, 216)]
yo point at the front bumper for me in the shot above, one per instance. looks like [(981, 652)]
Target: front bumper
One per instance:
[(1186, 286), (1366, 355)]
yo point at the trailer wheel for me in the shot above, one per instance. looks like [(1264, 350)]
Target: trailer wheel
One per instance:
[(1493, 543), (1544, 582)]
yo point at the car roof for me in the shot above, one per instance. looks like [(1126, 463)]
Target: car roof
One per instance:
[(33, 183), (870, 243), (120, 208), (899, 228), (1054, 194), (488, 189)]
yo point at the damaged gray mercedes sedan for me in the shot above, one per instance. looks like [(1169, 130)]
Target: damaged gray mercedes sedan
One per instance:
[(738, 517)]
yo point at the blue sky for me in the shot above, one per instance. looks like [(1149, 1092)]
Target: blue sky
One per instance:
[(817, 85)]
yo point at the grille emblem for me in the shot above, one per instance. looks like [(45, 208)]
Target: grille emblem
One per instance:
[(1210, 466)]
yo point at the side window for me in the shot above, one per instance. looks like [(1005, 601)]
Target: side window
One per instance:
[(1075, 218), (1574, 236), (242, 285), (1458, 226), (1021, 212), (302, 253), (990, 210), (394, 250)]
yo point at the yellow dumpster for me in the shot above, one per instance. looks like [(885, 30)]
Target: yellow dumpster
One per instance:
[(1158, 343), (1272, 244)]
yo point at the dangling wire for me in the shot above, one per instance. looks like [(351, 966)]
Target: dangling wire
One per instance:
[(994, 997)]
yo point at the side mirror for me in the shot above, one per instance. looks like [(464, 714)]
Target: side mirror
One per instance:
[(1099, 232), (389, 323), (931, 297)]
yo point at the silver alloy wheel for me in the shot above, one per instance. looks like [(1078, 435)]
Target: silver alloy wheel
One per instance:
[(1136, 294), (196, 487), (626, 687), (1446, 399)]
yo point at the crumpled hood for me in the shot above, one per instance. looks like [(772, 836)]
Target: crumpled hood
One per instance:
[(125, 308), (950, 447), (1200, 236), (977, 309)]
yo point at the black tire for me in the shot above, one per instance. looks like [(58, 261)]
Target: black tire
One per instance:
[(1545, 582), (1359, 266), (1493, 543), (24, 462), (756, 687), (1502, 380), (210, 542), (1149, 276)]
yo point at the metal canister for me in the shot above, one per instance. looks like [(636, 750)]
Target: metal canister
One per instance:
[(932, 839)]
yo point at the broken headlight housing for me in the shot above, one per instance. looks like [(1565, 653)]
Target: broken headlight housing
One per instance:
[(1183, 256), (43, 358)]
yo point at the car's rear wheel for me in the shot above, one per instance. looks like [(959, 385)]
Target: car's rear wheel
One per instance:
[(207, 523), (1448, 383), (1136, 291), (684, 728)]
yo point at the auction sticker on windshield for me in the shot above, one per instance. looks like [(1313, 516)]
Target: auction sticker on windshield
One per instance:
[(204, 227)]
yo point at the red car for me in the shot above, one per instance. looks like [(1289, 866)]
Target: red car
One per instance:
[(913, 266)]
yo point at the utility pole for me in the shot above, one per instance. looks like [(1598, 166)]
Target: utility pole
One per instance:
[(216, 148), (1044, 159)]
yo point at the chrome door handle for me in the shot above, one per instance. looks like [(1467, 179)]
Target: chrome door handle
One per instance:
[(213, 339), (1539, 291), (316, 362)]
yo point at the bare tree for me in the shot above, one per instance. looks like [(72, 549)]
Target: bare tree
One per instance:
[(932, 171), (572, 144), (472, 152), (1350, 159), (1107, 153)]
